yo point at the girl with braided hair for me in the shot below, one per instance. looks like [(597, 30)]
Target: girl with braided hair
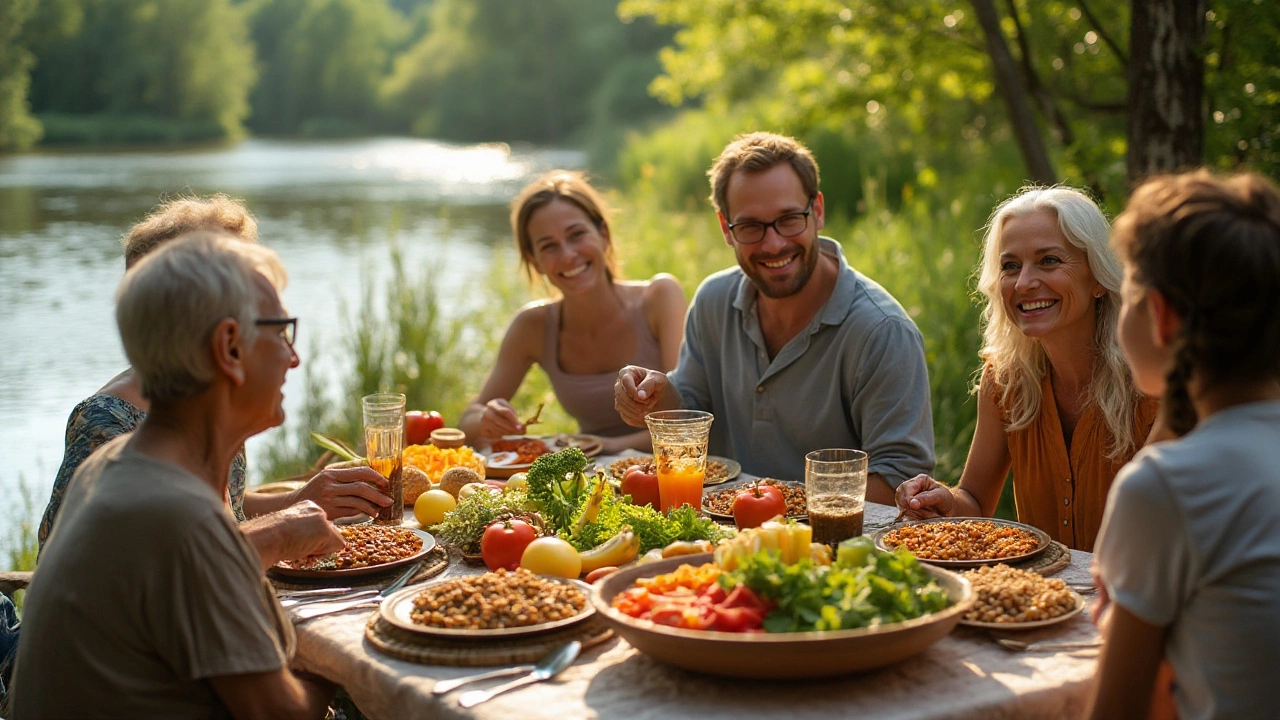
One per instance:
[(1189, 551)]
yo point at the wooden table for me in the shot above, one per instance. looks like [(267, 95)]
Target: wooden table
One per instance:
[(964, 675)]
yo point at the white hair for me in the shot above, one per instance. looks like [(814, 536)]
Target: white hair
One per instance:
[(171, 300), (1018, 363)]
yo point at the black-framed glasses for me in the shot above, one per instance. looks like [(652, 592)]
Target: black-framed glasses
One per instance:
[(289, 329), (789, 225)]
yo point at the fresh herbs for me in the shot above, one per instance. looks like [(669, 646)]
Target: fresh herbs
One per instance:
[(585, 511), (859, 590), (463, 526)]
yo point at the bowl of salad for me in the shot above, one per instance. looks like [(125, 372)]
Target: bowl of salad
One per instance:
[(774, 610)]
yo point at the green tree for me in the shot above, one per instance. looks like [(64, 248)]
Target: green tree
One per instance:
[(17, 128), (187, 60), (322, 62)]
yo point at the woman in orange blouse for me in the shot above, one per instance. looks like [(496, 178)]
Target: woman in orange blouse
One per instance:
[(1056, 402)]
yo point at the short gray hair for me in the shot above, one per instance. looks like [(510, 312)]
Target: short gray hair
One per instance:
[(170, 301)]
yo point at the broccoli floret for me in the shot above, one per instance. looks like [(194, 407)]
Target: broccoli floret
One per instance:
[(554, 486)]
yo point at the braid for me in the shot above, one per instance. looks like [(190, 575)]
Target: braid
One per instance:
[(1179, 412)]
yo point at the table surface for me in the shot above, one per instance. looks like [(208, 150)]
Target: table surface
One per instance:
[(966, 674)]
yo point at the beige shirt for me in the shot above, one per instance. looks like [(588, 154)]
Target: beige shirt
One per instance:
[(145, 590)]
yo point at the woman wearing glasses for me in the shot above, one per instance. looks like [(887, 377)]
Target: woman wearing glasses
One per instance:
[(1056, 402), (119, 407), (598, 324)]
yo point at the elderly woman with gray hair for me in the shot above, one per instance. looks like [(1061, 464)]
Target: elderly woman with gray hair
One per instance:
[(1056, 401), (148, 599)]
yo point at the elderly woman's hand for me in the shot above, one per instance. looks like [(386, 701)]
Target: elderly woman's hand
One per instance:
[(922, 497), (343, 492), (299, 531)]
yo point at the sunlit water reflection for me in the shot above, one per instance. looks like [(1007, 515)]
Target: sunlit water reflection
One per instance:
[(330, 209)]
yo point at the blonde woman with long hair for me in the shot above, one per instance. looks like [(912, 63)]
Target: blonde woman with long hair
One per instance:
[(1056, 402)]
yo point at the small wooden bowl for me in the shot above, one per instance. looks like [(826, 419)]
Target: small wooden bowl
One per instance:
[(445, 438)]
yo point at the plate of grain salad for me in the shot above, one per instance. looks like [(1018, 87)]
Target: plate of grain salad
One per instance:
[(1006, 598), (498, 604), (961, 542), (369, 549)]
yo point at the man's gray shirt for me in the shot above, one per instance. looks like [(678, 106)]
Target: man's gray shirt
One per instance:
[(854, 378)]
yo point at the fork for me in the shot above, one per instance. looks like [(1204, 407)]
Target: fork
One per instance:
[(1045, 645)]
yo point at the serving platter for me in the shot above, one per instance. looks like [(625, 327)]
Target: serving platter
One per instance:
[(728, 517), (731, 467), (777, 656), (1075, 610), (428, 543), (396, 610), (1042, 541), (499, 465)]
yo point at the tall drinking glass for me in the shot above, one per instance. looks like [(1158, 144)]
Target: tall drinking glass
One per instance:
[(835, 482), (680, 451), (384, 446)]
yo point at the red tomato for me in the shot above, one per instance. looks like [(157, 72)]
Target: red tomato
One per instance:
[(641, 486), (738, 619), (418, 426), (504, 542), (757, 504)]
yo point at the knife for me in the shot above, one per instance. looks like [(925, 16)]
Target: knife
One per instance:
[(310, 611), (293, 603)]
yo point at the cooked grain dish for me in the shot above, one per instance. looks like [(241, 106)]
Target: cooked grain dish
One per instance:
[(963, 540)]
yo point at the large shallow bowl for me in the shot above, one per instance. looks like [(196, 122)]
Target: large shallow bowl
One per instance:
[(777, 655)]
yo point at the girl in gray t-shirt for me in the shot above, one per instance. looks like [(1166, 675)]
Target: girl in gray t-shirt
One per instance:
[(1189, 552)]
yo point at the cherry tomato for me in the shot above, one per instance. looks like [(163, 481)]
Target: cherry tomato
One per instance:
[(641, 486), (756, 504), (418, 426), (504, 542)]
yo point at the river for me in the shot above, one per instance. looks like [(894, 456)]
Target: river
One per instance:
[(331, 209)]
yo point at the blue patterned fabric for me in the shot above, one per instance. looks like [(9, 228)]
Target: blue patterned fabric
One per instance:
[(95, 422)]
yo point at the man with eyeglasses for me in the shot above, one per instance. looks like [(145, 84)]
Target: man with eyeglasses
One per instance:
[(793, 350)]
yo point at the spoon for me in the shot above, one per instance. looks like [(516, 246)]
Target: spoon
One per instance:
[(548, 667), (1033, 647)]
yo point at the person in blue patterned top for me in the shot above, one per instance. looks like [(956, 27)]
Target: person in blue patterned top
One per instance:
[(277, 526)]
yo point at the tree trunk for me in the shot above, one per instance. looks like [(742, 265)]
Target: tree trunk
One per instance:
[(1030, 142), (1166, 87)]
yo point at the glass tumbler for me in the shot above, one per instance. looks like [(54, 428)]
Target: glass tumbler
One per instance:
[(835, 482), (384, 447), (680, 451)]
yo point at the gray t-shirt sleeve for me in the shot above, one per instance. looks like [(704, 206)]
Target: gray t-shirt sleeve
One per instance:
[(690, 375), (1142, 553), (890, 405), (216, 619)]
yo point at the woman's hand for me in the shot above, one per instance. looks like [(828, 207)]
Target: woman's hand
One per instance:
[(500, 418), (298, 531), (342, 492), (922, 497)]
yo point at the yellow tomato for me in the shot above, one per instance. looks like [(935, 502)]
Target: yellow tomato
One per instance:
[(431, 506), (552, 556)]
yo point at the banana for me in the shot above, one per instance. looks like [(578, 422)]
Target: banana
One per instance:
[(618, 550), (591, 510)]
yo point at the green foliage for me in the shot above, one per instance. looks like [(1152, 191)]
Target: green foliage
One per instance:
[(17, 128), (463, 526), (109, 129), (557, 485), (322, 63), (181, 60), (21, 546), (653, 528)]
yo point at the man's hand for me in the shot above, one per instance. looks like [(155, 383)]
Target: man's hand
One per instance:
[(640, 391), (923, 497), (342, 492), (299, 531)]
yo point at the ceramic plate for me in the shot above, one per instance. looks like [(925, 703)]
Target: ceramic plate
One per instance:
[(731, 467), (1074, 611), (1041, 536), (428, 543), (397, 608), (499, 465), (725, 518)]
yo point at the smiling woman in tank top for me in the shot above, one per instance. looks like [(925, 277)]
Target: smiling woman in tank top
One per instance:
[(581, 339)]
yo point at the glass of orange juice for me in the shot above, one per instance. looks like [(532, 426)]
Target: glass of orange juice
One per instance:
[(680, 451)]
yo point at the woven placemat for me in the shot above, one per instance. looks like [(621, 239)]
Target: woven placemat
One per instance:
[(1054, 558), (432, 564), (413, 647)]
